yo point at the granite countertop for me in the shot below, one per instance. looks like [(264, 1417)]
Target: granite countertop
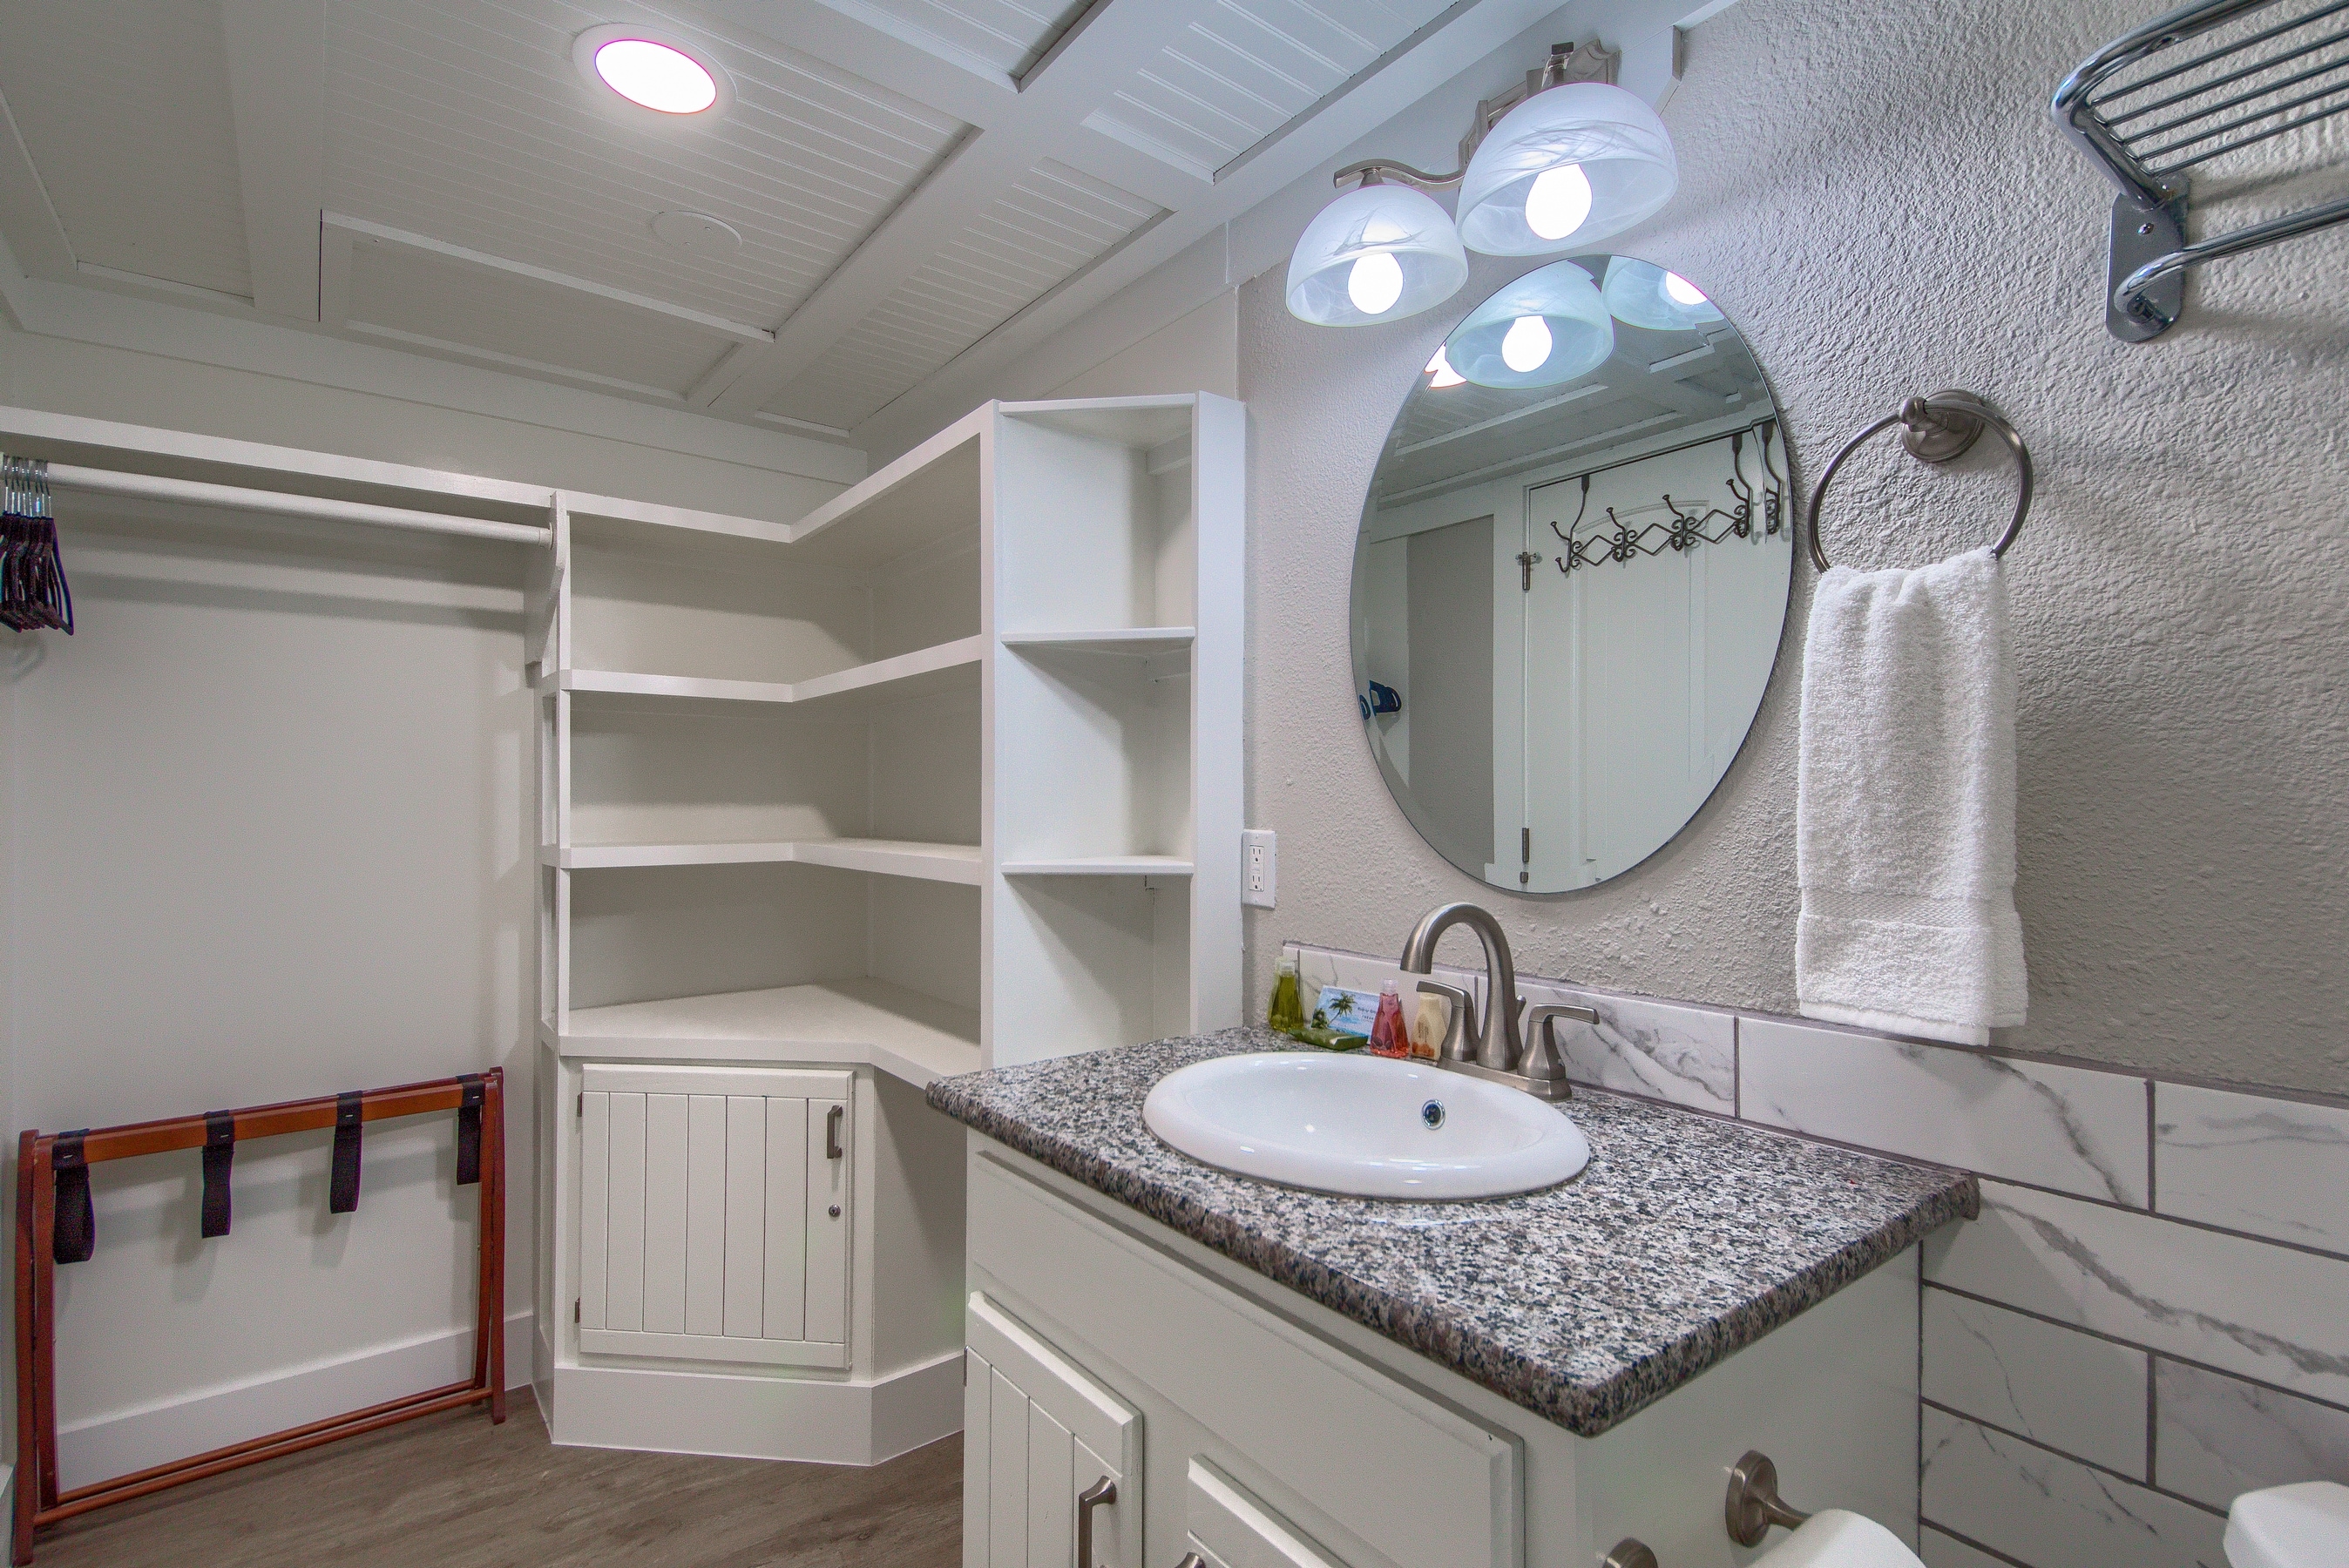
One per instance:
[(1687, 1238)]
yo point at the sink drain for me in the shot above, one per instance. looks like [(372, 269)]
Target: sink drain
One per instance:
[(1432, 1113)]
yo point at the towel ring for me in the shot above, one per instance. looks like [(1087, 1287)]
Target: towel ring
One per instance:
[(1937, 428)]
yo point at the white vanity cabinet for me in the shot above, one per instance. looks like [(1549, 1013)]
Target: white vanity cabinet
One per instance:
[(1268, 1431)]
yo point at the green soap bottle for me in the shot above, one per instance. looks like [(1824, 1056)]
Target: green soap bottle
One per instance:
[(1287, 1007)]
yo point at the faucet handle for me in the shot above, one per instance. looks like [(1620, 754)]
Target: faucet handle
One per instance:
[(1545, 1061), (1456, 1046)]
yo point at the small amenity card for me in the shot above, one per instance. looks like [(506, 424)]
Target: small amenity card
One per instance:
[(1347, 1012)]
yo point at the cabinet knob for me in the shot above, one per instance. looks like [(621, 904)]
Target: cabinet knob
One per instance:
[(835, 1211), (1100, 1492)]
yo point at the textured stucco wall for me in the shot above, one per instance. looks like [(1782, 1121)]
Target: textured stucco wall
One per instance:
[(1875, 196)]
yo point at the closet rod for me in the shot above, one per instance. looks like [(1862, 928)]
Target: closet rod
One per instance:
[(154, 487)]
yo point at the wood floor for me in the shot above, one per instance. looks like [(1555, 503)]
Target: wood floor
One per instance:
[(453, 1492)]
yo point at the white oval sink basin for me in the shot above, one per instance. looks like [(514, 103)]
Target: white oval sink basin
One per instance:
[(1366, 1127)]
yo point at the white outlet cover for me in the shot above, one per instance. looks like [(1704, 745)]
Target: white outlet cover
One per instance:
[(1259, 867)]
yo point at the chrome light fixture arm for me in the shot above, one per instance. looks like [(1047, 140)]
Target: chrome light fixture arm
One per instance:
[(1589, 63)]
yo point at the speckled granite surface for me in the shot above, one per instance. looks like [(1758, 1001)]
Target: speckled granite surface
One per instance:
[(1687, 1238)]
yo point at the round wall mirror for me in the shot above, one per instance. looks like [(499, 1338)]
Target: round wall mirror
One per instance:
[(1572, 573)]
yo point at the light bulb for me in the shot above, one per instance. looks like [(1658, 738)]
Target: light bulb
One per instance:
[(1680, 291), (1527, 346), (1375, 282), (1558, 202), (656, 76), (1440, 369)]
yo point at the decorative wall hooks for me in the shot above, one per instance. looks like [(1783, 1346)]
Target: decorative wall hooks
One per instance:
[(1750, 508)]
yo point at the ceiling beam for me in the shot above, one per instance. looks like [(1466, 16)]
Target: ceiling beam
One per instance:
[(277, 102), (1033, 125)]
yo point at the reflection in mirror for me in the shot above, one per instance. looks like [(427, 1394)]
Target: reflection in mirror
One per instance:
[(1569, 586)]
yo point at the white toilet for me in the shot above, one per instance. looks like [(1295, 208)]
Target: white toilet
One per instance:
[(2301, 1526)]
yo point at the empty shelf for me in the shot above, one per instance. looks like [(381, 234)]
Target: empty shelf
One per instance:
[(917, 673), (1102, 866), (903, 1032), (1140, 641), (883, 857)]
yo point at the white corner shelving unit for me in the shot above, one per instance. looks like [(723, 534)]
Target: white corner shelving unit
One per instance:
[(946, 775)]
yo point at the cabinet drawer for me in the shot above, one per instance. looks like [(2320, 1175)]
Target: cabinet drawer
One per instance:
[(713, 1213), (1230, 1529), (1411, 1481)]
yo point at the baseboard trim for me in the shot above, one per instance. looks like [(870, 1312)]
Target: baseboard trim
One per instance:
[(738, 1416), (130, 1440)]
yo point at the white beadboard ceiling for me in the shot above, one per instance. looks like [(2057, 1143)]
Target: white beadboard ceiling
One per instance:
[(908, 176)]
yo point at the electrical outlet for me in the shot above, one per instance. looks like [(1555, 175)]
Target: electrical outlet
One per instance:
[(1259, 867)]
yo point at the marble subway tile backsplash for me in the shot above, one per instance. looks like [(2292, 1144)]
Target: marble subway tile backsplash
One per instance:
[(2217, 1437), (2067, 1128), (2059, 1387), (2271, 1314), (2038, 1507), (2272, 1167), (1685, 1056), (2150, 1317)]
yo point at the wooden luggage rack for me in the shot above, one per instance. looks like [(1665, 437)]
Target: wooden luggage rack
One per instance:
[(480, 1101)]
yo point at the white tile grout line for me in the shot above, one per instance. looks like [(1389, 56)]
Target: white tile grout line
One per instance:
[(1953, 1411)]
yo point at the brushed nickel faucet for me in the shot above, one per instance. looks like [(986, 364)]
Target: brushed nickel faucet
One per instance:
[(1493, 1046)]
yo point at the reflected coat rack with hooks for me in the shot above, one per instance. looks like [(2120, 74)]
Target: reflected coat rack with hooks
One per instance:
[(1753, 507)]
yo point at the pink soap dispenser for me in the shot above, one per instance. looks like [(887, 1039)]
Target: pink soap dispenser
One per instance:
[(1389, 1036)]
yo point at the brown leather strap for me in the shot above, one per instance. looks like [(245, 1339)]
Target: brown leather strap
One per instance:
[(468, 1130), (342, 1191), (220, 1153), (76, 1237)]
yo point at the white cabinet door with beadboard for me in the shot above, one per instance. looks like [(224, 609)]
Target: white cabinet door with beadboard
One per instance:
[(1230, 1528), (714, 1214), (1051, 1460)]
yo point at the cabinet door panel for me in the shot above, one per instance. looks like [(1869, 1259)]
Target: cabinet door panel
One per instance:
[(705, 1214), (1007, 1487), (786, 1280), (665, 1194), (746, 1217), (595, 1205), (694, 1199), (1044, 1433), (827, 1223), (625, 1307)]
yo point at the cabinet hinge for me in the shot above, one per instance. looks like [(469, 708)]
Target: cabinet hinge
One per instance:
[(581, 1110), (1525, 564), (574, 1309)]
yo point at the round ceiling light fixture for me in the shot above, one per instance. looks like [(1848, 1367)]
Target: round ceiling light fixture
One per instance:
[(653, 72)]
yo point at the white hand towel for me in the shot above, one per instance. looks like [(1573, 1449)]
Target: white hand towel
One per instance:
[(1904, 815)]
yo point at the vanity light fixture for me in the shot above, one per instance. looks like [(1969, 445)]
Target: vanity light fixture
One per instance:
[(653, 72), (1549, 327), (1641, 293), (1378, 252), (1565, 162)]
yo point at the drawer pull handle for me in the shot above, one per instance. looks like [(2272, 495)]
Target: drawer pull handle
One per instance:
[(831, 1150), (1100, 1492)]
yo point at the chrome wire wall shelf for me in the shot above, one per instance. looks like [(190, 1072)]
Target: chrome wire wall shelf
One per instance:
[(2149, 117)]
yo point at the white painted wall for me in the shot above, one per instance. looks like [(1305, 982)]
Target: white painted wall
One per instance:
[(283, 776), (2180, 623)]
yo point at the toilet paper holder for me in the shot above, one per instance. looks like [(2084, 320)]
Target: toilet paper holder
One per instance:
[(1753, 1505)]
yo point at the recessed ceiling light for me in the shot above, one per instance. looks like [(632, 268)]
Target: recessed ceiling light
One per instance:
[(655, 73)]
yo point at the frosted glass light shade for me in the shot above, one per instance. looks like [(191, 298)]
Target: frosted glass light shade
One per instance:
[(1559, 300), (1611, 135), (1394, 222), (1642, 294)]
